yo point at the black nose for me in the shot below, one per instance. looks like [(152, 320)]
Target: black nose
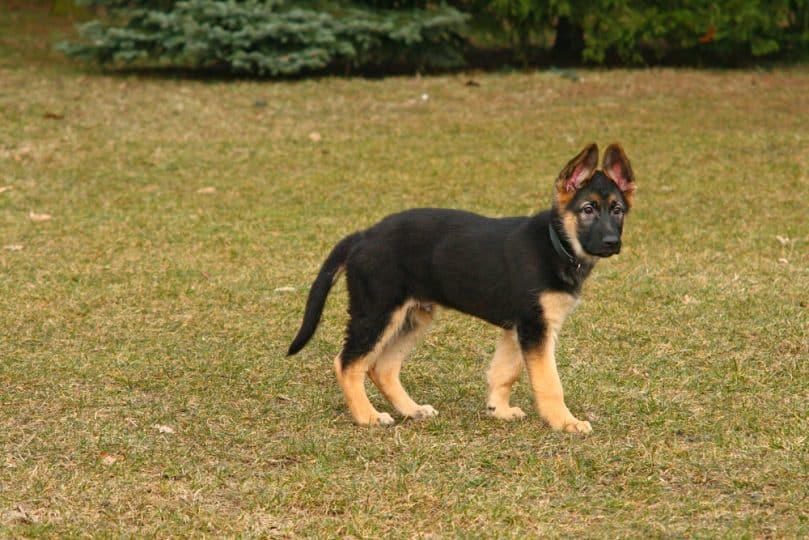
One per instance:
[(611, 242)]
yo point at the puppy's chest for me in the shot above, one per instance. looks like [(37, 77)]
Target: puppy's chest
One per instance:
[(556, 306)]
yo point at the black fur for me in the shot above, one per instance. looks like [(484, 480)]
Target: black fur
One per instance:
[(320, 290), (493, 269)]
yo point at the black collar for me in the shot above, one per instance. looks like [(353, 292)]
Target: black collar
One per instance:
[(559, 247)]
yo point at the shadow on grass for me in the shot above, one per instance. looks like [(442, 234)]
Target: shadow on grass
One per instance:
[(478, 60)]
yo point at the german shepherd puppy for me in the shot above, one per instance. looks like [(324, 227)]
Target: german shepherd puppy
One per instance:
[(523, 274)]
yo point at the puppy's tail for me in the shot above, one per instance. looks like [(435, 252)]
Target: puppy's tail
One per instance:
[(320, 290)]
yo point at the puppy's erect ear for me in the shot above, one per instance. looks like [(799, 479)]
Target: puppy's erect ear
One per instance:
[(616, 166), (576, 173)]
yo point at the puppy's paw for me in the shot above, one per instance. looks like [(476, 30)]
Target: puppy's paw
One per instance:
[(505, 413), (423, 411), (578, 426), (384, 419), (559, 418)]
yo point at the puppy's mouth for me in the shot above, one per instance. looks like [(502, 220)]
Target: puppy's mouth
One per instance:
[(607, 252)]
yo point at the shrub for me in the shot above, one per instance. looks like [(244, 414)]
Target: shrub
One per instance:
[(649, 31), (270, 37), (717, 31)]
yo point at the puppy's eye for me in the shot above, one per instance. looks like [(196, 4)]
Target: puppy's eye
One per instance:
[(588, 210), (617, 210)]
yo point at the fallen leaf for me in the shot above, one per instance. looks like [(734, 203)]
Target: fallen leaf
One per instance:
[(110, 459), (13, 247), (315, 136), (163, 429), (38, 217), (708, 36), (783, 260), (53, 116), (688, 300), (783, 240), (207, 190), (3, 189), (284, 289)]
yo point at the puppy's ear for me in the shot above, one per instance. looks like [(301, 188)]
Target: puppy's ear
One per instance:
[(576, 173), (616, 166)]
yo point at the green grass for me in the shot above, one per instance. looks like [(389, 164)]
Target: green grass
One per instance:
[(144, 303)]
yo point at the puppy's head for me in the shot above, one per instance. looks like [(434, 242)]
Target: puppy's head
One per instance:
[(591, 204)]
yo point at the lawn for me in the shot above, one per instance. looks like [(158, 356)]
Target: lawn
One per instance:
[(158, 236)]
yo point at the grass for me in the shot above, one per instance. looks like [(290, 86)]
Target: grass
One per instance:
[(144, 302)]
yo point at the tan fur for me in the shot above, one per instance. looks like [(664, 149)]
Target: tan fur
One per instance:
[(383, 363), (503, 373), (385, 371), (541, 364), (629, 197), (352, 382), (561, 198), (570, 228)]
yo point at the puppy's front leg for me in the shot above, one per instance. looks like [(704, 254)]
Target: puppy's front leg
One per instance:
[(548, 393), (538, 341)]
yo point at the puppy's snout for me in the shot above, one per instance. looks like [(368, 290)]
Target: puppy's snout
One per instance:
[(611, 242)]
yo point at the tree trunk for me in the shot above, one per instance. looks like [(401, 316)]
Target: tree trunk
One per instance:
[(569, 44)]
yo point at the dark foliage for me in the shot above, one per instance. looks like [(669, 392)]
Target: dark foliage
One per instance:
[(649, 31), (278, 37)]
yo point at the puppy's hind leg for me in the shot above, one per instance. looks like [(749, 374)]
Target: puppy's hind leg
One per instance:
[(387, 366), (352, 381), (366, 337), (503, 373)]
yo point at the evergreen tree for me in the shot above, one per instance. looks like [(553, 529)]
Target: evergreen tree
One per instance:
[(270, 37)]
